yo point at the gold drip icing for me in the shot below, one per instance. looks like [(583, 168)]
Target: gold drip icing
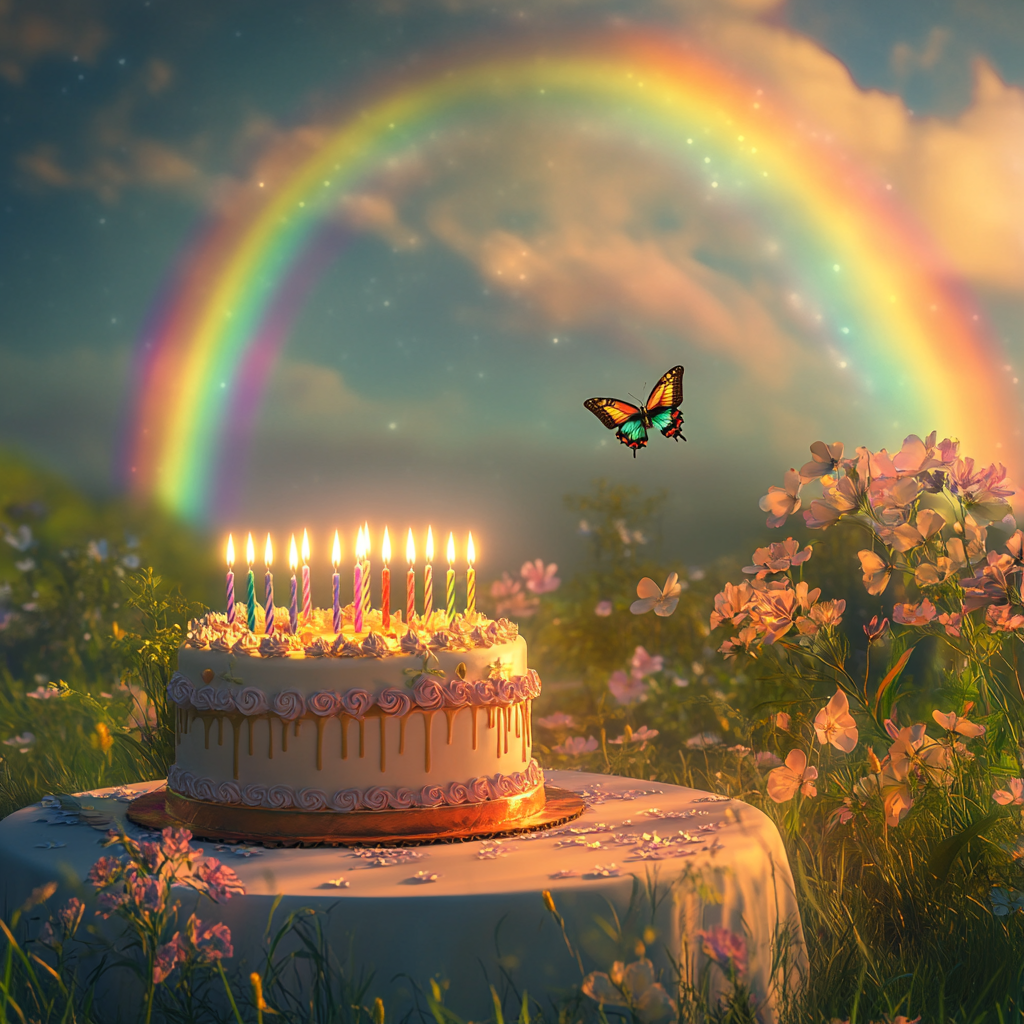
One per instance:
[(428, 723), (320, 744), (521, 724), (284, 736), (236, 728), (401, 732), (362, 737), (248, 722), (344, 719), (383, 741), (450, 714)]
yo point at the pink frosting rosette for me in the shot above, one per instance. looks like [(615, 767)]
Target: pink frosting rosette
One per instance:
[(229, 793), (394, 702), (374, 645), (431, 796), (311, 800), (278, 797), (179, 780), (180, 690), (402, 797), (457, 693), (289, 705), (251, 701), (324, 703), (504, 785), (531, 684), (508, 692), (203, 698), (480, 790), (254, 795), (345, 800), (224, 700), (429, 694), (457, 793), (204, 789), (375, 798), (356, 702), (486, 692), (411, 644)]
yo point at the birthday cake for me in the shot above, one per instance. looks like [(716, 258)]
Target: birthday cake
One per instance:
[(431, 714)]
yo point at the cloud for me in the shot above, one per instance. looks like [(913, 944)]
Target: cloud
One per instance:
[(32, 30)]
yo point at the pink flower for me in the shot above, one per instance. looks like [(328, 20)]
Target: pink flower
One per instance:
[(559, 720), (662, 599), (825, 460), (644, 664), (1014, 794), (510, 600), (952, 622), (214, 942), (104, 871), (782, 721), (603, 609), (781, 502), (626, 689), (219, 882), (794, 776), (876, 571), (640, 735), (834, 724), (732, 604), (725, 947), (954, 723), (777, 558), (167, 958), (835, 502), (766, 759), (574, 746), (914, 614), (1003, 618), (540, 579)]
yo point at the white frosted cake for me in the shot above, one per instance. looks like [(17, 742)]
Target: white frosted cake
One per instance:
[(424, 717)]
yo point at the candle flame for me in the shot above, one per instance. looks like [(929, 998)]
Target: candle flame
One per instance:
[(410, 550), (451, 549), (360, 546), (293, 556), (336, 551), (250, 551), (470, 551), (305, 548), (268, 555), (231, 552), (430, 545), (385, 548)]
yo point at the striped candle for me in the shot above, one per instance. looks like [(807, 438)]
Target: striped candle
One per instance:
[(230, 582), (366, 570), (385, 582), (470, 578), (335, 562), (357, 597), (293, 607), (268, 591), (451, 579), (428, 578), (250, 587), (307, 602)]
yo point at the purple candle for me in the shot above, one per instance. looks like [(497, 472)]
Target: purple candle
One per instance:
[(230, 584)]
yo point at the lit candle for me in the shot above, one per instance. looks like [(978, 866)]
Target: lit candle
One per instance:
[(230, 582), (410, 580), (470, 578), (293, 608), (428, 578), (451, 579), (250, 586), (268, 591), (357, 586), (385, 582), (307, 603), (335, 562), (366, 569)]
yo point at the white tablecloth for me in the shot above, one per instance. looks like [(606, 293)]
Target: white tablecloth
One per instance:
[(473, 913)]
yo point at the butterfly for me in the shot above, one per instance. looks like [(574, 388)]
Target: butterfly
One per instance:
[(661, 411)]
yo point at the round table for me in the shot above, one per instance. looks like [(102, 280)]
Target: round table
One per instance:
[(652, 857)]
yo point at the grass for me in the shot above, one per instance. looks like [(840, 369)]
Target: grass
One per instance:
[(898, 915)]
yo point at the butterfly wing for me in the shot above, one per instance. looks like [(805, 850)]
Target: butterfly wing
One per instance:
[(614, 413), (664, 401)]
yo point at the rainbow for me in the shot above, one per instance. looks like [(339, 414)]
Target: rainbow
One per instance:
[(889, 301)]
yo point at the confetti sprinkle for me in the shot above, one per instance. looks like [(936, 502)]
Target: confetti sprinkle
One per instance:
[(567, 873), (423, 878), (605, 871), (50, 846), (334, 883)]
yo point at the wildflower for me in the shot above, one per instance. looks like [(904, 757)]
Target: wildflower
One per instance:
[(912, 535), (873, 630), (104, 871), (766, 759), (794, 776), (643, 664), (630, 985), (640, 735), (559, 720), (219, 881), (662, 599), (891, 784), (603, 609), (825, 460), (827, 613), (781, 502), (574, 746), (954, 723), (782, 721), (540, 579), (626, 689), (834, 724), (44, 691), (1006, 901), (746, 639), (914, 614), (626, 535), (725, 947), (732, 604), (23, 741), (1003, 618), (703, 740), (777, 558), (931, 574), (834, 503), (1013, 795), (951, 621), (913, 749), (510, 600), (168, 956), (209, 944), (876, 571)]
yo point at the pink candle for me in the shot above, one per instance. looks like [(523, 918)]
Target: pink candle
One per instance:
[(357, 586), (385, 583), (230, 582), (410, 580), (293, 607), (335, 562), (307, 603)]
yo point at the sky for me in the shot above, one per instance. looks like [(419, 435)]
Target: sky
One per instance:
[(481, 279)]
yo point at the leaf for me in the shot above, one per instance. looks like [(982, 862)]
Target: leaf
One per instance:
[(890, 677), (943, 855)]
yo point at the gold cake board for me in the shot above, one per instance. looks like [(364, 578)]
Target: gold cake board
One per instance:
[(546, 807)]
